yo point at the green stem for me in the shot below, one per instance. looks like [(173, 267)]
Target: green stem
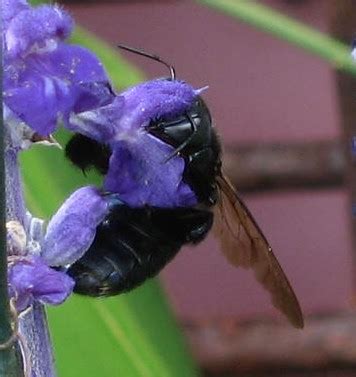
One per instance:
[(266, 19), (10, 359)]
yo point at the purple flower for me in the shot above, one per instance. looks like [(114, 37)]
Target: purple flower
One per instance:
[(30, 279), (46, 79), (137, 171), (98, 124), (72, 229), (155, 99), (34, 29), (140, 176), (9, 9), (69, 234)]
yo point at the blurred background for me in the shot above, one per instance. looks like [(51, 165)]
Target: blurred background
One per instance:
[(285, 117)]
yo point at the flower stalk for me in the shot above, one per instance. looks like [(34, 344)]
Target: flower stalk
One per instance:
[(45, 80), (33, 328), (10, 357)]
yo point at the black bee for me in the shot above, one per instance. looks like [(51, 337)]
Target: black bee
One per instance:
[(133, 244)]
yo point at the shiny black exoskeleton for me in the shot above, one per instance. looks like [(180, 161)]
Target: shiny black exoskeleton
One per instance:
[(134, 244), (195, 140)]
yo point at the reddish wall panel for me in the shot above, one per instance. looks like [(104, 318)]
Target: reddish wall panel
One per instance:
[(260, 89)]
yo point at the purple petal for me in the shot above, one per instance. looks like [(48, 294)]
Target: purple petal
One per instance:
[(11, 8), (124, 118), (139, 175), (37, 29), (72, 229), (155, 99), (68, 79), (98, 124), (31, 280)]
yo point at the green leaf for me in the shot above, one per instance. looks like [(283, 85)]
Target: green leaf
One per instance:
[(129, 335), (266, 19)]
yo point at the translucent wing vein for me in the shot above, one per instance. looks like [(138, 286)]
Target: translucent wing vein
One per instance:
[(244, 244)]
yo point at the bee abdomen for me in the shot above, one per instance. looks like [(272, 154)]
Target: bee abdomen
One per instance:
[(134, 244)]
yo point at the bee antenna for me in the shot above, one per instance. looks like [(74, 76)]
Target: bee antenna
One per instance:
[(150, 56)]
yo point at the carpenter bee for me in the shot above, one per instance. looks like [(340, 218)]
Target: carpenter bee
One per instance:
[(133, 244)]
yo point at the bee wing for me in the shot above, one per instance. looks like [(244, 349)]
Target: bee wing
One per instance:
[(244, 244)]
